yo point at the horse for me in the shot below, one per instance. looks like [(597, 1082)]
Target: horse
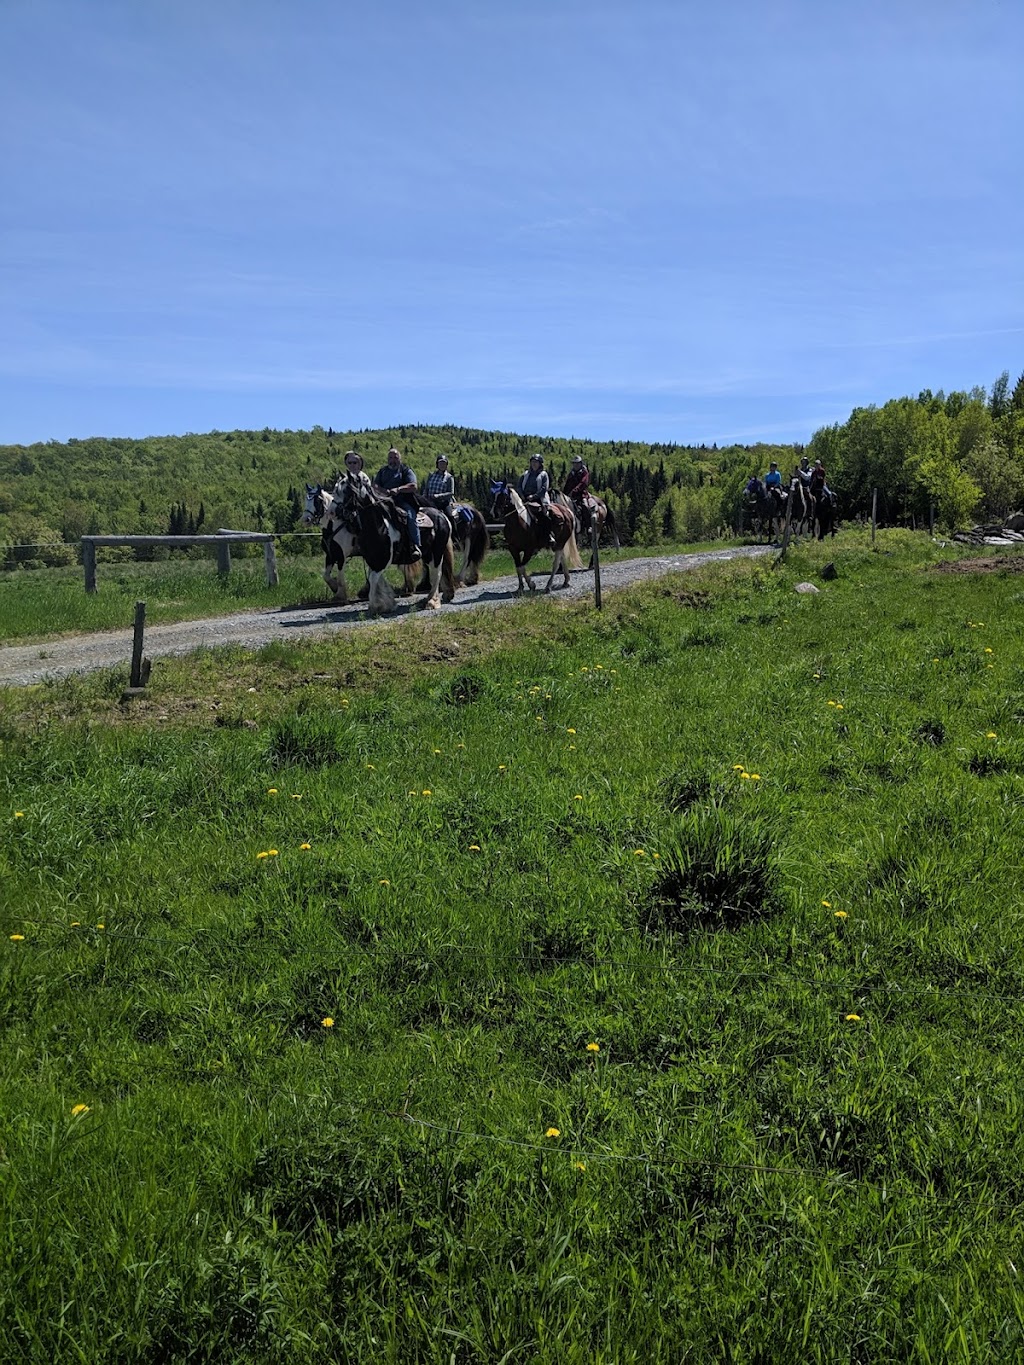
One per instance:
[(524, 536), (824, 513), (590, 513), (801, 507), (470, 537), (381, 527), (338, 540), (766, 507)]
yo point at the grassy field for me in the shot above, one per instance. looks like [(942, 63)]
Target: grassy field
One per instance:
[(636, 986)]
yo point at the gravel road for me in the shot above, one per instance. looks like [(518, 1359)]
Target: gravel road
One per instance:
[(21, 665)]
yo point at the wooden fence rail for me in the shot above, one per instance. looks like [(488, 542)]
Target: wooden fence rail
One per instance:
[(223, 540)]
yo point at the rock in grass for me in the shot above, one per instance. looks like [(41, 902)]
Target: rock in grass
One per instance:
[(806, 587)]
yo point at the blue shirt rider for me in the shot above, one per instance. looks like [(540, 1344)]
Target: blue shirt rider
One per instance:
[(773, 479), (398, 481)]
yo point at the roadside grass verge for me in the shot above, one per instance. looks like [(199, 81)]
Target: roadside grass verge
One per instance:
[(672, 963)]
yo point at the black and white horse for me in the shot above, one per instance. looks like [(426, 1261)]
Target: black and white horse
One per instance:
[(339, 541), (380, 527), (470, 538)]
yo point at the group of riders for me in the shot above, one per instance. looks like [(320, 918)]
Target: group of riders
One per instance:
[(812, 479), (397, 481)]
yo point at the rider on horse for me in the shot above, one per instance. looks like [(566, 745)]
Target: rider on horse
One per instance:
[(397, 481), (577, 486), (773, 484), (440, 487), (535, 488)]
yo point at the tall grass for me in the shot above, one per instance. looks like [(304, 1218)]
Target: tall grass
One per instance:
[(672, 959)]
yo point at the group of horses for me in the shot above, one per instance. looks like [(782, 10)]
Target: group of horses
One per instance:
[(809, 513), (356, 519)]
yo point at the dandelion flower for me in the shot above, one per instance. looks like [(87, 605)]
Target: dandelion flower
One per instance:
[(305, 847), (371, 768), (599, 668), (383, 881), (827, 905), (474, 848), (271, 852), (639, 853), (296, 796), (501, 767), (76, 924), (989, 651), (553, 1133), (737, 767), (745, 777), (19, 815), (437, 751), (101, 926), (460, 746), (78, 1110), (570, 731), (853, 1018), (328, 1022), (755, 777), (840, 914), (655, 855), (839, 705), (572, 746), (581, 1165), (991, 735), (593, 1047), (578, 797), (427, 791), (17, 938), (271, 791)]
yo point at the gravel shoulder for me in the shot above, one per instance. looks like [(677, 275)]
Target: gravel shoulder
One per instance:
[(22, 665)]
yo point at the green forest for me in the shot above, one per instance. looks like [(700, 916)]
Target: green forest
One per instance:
[(960, 453)]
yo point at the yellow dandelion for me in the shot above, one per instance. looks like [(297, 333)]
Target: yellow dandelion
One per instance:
[(296, 796), (639, 853), (593, 1047), (655, 855), (19, 815), (839, 705), (755, 777), (383, 881), (578, 797), (737, 767), (76, 924), (613, 670), (840, 914), (271, 791), (17, 938), (412, 793), (830, 703), (344, 701), (328, 1022), (427, 791), (991, 735), (570, 731), (101, 926), (584, 670), (271, 852), (371, 768), (989, 651), (935, 661), (501, 768), (745, 777), (78, 1110), (853, 1018), (581, 1165), (305, 847), (437, 751), (553, 1133), (827, 905), (599, 668), (572, 746), (474, 848), (460, 746)]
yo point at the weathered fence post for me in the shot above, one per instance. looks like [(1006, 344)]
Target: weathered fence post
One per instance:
[(89, 563), (874, 510), (597, 563), (140, 628), (270, 563), (785, 529), (224, 558)]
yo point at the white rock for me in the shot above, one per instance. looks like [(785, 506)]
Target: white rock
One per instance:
[(806, 587)]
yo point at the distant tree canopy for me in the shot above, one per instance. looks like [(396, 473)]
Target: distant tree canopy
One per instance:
[(962, 452)]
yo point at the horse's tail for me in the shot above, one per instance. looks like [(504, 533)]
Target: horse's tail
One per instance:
[(571, 554), (479, 544), (609, 521)]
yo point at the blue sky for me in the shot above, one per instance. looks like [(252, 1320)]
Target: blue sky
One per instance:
[(671, 221)]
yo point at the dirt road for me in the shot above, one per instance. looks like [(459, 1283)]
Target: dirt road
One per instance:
[(24, 664)]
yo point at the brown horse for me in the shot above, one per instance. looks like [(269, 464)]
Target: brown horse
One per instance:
[(591, 513), (525, 535)]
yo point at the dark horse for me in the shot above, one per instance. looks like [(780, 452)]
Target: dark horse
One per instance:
[(469, 536), (524, 536), (801, 507), (824, 513), (765, 506), (383, 540)]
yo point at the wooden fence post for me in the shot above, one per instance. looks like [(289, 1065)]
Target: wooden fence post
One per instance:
[(224, 558), (270, 563), (874, 510), (785, 529), (597, 563), (140, 627), (89, 563)]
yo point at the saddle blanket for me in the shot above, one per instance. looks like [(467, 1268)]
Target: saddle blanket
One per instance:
[(423, 521)]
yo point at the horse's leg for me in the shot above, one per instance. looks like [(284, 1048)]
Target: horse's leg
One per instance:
[(382, 594)]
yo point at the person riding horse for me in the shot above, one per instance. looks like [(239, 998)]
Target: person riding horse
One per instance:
[(397, 481), (535, 488), (576, 487)]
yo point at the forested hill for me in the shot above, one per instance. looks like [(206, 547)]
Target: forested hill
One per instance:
[(53, 492), (961, 453)]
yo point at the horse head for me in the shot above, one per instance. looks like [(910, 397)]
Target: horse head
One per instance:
[(316, 503), (499, 497)]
